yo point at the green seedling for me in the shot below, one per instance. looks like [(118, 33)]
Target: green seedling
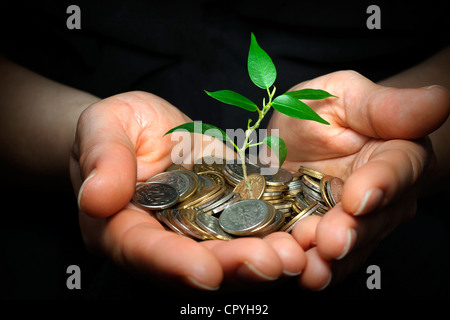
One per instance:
[(263, 74)]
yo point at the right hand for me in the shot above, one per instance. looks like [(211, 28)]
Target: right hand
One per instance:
[(119, 143)]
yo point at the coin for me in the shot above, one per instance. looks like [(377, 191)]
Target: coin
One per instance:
[(311, 183), (155, 195), (334, 189), (173, 217), (236, 171), (163, 217), (210, 199), (211, 225), (212, 206), (208, 164), (227, 195), (214, 176), (303, 214), (272, 227), (179, 180), (281, 177), (311, 172), (235, 198), (257, 184), (200, 196), (194, 182), (244, 216), (187, 218)]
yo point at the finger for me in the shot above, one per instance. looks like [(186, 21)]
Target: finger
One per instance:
[(247, 259), (304, 231), (392, 169), (289, 251), (339, 234), (107, 162), (139, 243), (392, 113), (317, 273)]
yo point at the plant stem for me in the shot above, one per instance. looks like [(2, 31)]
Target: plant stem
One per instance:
[(249, 131)]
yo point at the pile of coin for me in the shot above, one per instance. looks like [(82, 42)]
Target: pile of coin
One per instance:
[(214, 201)]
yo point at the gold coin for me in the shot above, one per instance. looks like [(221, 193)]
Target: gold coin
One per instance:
[(187, 217), (211, 198), (215, 176), (257, 186), (311, 183), (311, 172), (275, 201), (288, 226), (199, 196), (269, 198), (324, 192), (280, 188)]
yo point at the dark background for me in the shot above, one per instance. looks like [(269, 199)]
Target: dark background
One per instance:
[(176, 50)]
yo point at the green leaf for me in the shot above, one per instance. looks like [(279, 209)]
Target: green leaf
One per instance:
[(310, 94), (294, 108), (233, 98), (202, 128), (260, 66), (277, 145)]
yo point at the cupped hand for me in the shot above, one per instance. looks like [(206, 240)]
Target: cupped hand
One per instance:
[(119, 142), (377, 143)]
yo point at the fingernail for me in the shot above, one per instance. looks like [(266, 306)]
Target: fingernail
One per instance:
[(200, 285), (437, 86), (291, 274), (351, 238), (372, 199), (247, 269), (326, 284), (80, 193)]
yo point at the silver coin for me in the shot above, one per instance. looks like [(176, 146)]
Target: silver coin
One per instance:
[(244, 216), (179, 180), (308, 192), (282, 175), (155, 195), (306, 212), (163, 217), (211, 225), (235, 169), (175, 216), (235, 198), (225, 197), (311, 183), (274, 226), (300, 201)]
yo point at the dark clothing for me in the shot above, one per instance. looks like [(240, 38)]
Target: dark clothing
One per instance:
[(177, 50)]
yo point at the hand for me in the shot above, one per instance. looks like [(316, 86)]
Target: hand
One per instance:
[(377, 144), (119, 142)]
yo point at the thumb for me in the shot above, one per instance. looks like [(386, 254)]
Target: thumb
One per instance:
[(106, 164), (392, 113)]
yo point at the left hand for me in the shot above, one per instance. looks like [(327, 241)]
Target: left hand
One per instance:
[(377, 144)]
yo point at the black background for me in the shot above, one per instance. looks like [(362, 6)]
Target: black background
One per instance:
[(176, 50)]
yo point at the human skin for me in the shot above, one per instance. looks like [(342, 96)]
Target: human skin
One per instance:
[(119, 142), (378, 144)]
